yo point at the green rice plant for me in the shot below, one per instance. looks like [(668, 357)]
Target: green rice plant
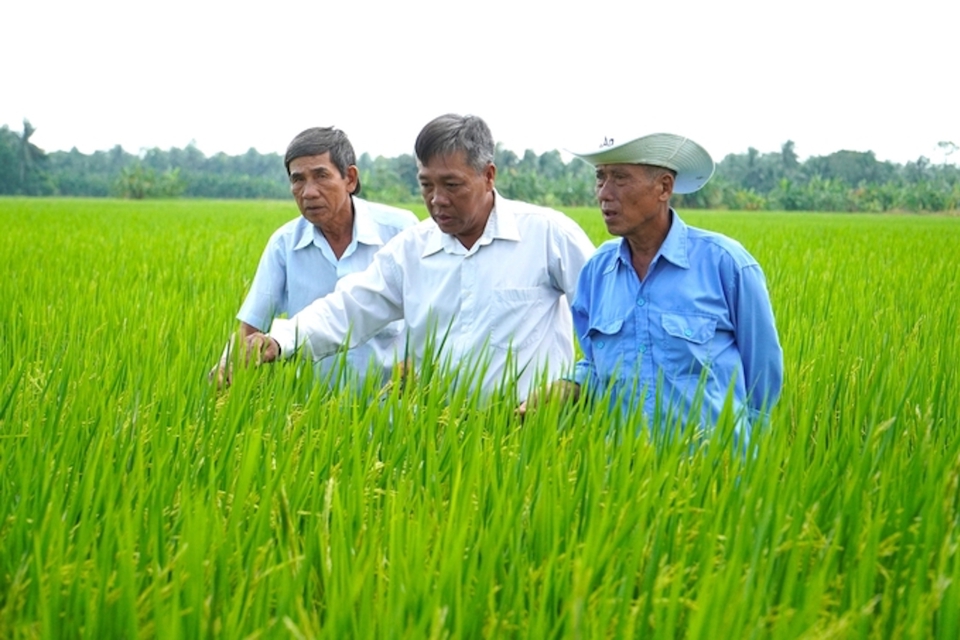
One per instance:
[(138, 501)]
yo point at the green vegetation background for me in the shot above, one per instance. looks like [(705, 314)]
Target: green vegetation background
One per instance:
[(779, 181)]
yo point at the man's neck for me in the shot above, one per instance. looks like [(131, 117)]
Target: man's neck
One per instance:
[(471, 239), (339, 232), (645, 244)]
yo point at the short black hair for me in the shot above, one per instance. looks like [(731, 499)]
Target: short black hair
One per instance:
[(317, 141), (450, 133)]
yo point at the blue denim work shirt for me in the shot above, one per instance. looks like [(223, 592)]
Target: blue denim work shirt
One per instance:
[(697, 328)]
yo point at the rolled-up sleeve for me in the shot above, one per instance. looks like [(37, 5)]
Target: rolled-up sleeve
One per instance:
[(267, 292)]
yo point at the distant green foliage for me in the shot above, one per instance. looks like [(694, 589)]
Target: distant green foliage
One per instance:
[(137, 182), (22, 164), (841, 181), (389, 179), (154, 174)]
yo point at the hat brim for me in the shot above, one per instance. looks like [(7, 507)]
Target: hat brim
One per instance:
[(692, 163)]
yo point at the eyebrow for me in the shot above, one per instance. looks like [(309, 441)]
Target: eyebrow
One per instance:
[(310, 171)]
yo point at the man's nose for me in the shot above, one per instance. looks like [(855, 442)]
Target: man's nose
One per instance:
[(310, 189), (604, 191)]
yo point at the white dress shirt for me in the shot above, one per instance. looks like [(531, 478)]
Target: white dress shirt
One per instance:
[(508, 294)]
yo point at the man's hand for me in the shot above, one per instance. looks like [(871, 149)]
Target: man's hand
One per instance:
[(405, 373), (260, 349), (556, 391), (221, 374), (255, 344)]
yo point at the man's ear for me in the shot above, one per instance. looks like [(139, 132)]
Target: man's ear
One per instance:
[(353, 178), (666, 181), (490, 175)]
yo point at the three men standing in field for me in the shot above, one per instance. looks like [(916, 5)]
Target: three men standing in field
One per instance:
[(675, 322)]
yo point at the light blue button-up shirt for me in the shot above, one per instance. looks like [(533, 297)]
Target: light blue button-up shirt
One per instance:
[(298, 266), (697, 328)]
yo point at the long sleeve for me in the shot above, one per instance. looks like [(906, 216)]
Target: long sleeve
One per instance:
[(570, 250), (585, 371), (757, 339), (362, 304)]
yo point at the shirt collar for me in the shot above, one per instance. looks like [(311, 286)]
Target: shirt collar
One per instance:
[(364, 229), (674, 247), (305, 234), (501, 225)]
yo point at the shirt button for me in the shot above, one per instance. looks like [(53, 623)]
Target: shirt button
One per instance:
[(687, 332), (600, 345), (640, 302), (643, 348)]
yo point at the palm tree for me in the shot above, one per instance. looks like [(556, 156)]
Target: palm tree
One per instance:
[(30, 157)]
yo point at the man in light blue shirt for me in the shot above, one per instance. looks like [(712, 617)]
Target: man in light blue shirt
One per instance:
[(336, 234), (673, 320)]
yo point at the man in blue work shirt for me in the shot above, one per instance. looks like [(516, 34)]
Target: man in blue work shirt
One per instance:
[(671, 319)]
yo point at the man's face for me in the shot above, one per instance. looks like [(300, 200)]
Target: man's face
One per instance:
[(632, 196), (458, 198), (322, 194)]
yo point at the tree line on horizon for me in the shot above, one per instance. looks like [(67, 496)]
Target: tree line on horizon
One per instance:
[(841, 181)]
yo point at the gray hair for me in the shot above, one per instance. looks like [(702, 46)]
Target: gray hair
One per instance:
[(317, 141), (450, 133)]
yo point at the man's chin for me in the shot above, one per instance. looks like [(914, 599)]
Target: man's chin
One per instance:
[(314, 216), (612, 228), (446, 225)]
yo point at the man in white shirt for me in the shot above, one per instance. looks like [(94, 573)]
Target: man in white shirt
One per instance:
[(336, 234), (486, 280)]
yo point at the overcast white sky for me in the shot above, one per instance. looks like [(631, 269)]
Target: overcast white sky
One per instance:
[(829, 75)]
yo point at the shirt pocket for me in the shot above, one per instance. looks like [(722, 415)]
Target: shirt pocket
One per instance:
[(688, 341), (606, 344), (517, 317)]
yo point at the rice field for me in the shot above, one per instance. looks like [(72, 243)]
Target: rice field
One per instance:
[(137, 501)]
